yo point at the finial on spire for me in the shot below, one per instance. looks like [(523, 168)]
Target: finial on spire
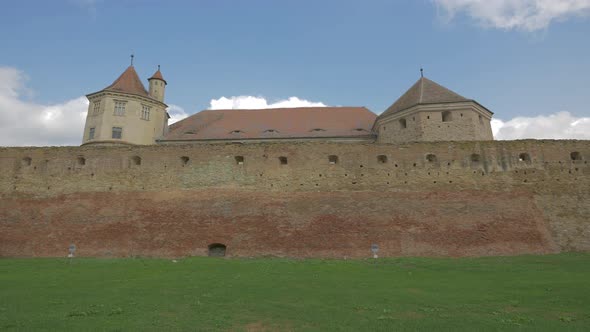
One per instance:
[(421, 72), (132, 56), (158, 67)]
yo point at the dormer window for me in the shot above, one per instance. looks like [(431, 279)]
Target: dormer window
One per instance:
[(317, 130), (236, 132), (271, 131), (360, 130)]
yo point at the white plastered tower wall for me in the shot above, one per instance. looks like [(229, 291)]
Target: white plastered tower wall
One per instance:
[(125, 104), (157, 86)]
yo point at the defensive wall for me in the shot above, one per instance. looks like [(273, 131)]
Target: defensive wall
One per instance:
[(297, 199)]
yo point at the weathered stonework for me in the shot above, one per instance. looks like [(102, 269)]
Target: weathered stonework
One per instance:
[(439, 198)]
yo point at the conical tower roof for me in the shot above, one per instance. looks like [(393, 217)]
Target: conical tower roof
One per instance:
[(424, 91), (128, 82), (158, 76)]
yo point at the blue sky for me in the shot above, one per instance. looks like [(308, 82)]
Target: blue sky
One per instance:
[(353, 53)]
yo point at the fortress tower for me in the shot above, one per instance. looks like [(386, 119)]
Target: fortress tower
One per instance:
[(125, 113), (431, 112)]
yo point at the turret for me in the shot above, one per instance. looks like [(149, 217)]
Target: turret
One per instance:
[(125, 113), (430, 112), (157, 86)]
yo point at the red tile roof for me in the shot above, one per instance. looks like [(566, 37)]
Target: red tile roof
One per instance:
[(158, 75), (424, 91), (301, 122), (128, 82)]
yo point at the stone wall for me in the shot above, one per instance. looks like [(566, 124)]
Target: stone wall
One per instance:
[(443, 198), (464, 121)]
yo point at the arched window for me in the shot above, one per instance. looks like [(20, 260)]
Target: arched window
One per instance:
[(217, 250), (447, 116), (524, 157)]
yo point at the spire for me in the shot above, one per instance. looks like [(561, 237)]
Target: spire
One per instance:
[(132, 56), (158, 76)]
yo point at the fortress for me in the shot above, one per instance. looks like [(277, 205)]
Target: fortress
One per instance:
[(423, 178)]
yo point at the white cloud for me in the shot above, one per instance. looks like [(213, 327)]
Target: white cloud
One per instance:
[(23, 122), (528, 15), (250, 102), (176, 113), (561, 125)]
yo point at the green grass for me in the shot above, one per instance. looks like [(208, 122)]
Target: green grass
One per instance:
[(494, 293)]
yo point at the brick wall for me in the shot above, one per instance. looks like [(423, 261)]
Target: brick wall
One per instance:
[(466, 198)]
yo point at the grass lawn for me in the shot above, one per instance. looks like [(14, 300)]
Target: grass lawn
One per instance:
[(494, 293)]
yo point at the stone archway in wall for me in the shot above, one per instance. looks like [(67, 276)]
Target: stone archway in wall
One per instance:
[(217, 250)]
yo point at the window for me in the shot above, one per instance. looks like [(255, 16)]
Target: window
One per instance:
[(216, 250), (239, 160), (270, 131), (475, 158), (135, 160), (117, 132), (333, 160), (145, 112), (576, 156), (283, 160), (431, 158), (81, 161), (481, 120), (96, 109), (524, 157), (91, 133), (317, 130), (447, 116), (402, 123), (27, 161), (382, 159), (236, 132), (120, 108), (184, 160)]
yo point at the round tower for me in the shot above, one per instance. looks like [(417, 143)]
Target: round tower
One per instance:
[(157, 86)]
